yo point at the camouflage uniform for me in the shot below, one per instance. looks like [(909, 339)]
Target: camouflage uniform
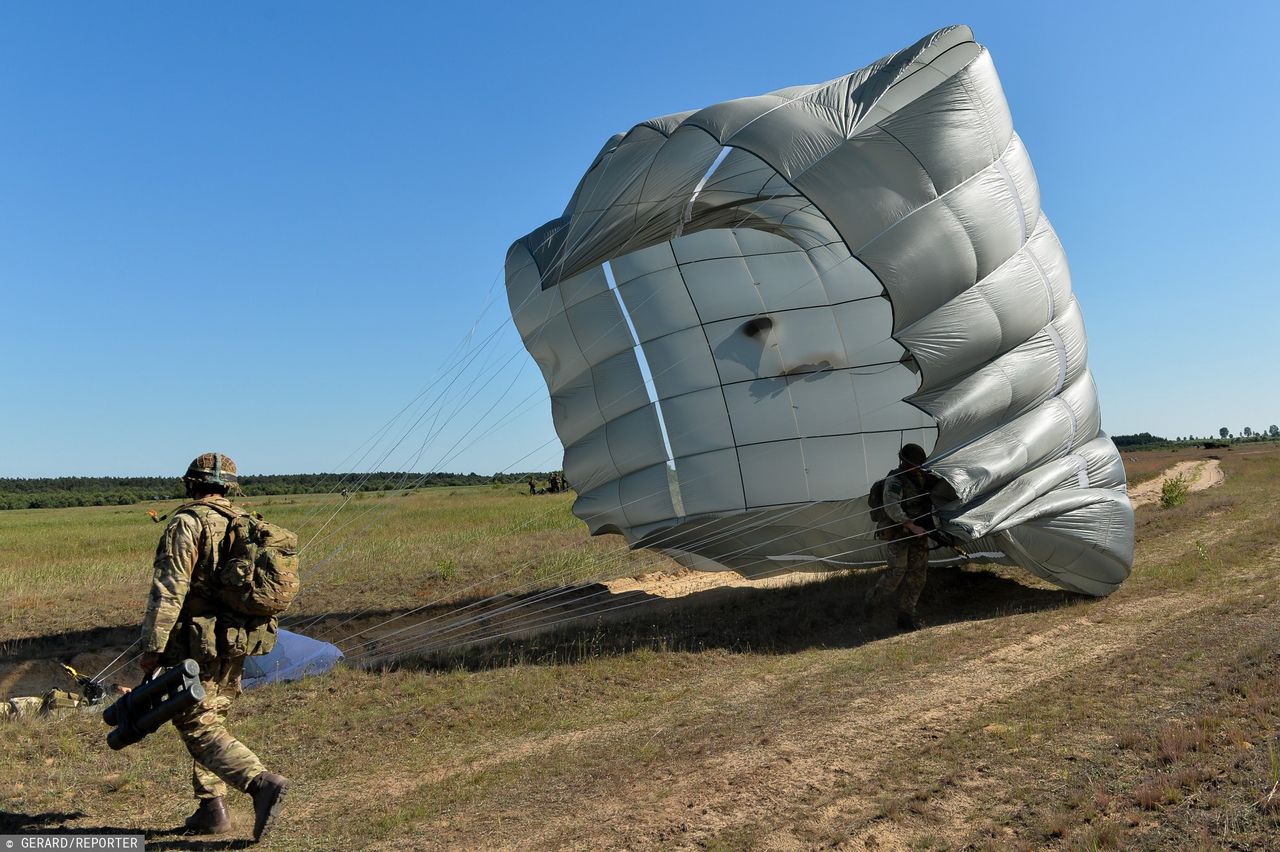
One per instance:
[(185, 620), (905, 499)]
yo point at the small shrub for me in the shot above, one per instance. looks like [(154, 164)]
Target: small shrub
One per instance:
[(1174, 491)]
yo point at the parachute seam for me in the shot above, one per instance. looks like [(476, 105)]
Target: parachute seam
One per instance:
[(939, 197), (1058, 345), (1044, 278), (1013, 191), (605, 424), (723, 399)]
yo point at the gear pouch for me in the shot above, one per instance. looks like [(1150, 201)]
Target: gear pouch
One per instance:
[(233, 639), (202, 642)]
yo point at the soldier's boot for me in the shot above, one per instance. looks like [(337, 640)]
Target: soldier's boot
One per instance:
[(210, 817), (907, 621), (267, 790)]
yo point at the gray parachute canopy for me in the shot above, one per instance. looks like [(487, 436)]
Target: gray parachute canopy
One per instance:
[(745, 311)]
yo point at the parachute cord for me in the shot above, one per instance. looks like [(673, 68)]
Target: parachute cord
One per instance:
[(409, 431), (733, 529), (96, 678), (313, 620), (457, 354), (574, 614)]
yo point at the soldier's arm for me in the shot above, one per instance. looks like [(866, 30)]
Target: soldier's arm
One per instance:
[(893, 505), (176, 557)]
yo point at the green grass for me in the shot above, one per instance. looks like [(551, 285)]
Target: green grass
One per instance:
[(63, 569)]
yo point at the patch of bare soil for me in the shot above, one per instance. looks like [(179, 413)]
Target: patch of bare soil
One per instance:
[(1199, 475), (686, 581), (35, 677)]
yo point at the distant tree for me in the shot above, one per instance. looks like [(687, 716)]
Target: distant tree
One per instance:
[(1247, 431), (1222, 433), (1274, 431)]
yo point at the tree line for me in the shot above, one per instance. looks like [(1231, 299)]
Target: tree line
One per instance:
[(1148, 441), (66, 491)]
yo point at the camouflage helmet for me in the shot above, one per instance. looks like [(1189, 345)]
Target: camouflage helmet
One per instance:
[(912, 454), (212, 469)]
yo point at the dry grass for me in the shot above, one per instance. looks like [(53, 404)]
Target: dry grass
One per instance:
[(1023, 718), (63, 569)]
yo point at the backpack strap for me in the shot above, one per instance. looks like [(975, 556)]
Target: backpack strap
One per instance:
[(228, 512)]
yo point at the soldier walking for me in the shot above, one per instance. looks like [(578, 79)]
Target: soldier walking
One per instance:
[(186, 620), (909, 511)]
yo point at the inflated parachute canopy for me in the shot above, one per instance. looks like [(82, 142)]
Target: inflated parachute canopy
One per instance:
[(745, 311)]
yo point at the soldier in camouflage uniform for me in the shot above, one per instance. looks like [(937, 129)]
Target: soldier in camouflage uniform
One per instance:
[(910, 509), (186, 620)]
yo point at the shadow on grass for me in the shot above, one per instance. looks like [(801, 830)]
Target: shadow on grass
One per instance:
[(57, 823), (573, 623), (590, 621)]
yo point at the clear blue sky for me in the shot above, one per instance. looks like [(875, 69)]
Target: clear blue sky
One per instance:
[(309, 202)]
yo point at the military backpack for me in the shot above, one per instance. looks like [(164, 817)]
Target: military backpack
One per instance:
[(875, 501), (257, 570)]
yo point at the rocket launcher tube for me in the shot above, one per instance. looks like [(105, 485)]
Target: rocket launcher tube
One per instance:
[(142, 711)]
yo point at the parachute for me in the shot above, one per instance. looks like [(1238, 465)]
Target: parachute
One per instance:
[(747, 309)]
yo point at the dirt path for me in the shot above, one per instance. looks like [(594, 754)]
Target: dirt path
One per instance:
[(1199, 475), (822, 758)]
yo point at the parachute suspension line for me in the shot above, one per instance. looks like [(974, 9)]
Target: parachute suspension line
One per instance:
[(732, 529), (102, 672), (378, 510), (386, 454), (646, 377), (458, 352), (416, 422), (575, 613), (562, 250), (624, 550)]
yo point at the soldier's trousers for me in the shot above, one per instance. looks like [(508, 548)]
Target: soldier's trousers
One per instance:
[(907, 571), (220, 759)]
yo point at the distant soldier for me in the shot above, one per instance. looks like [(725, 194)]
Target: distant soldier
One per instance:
[(533, 486), (909, 511), (186, 619)]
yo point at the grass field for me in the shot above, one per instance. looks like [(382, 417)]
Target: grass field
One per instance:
[(736, 718)]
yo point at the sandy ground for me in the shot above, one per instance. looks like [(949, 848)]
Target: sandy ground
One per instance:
[(1200, 474), (676, 584)]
